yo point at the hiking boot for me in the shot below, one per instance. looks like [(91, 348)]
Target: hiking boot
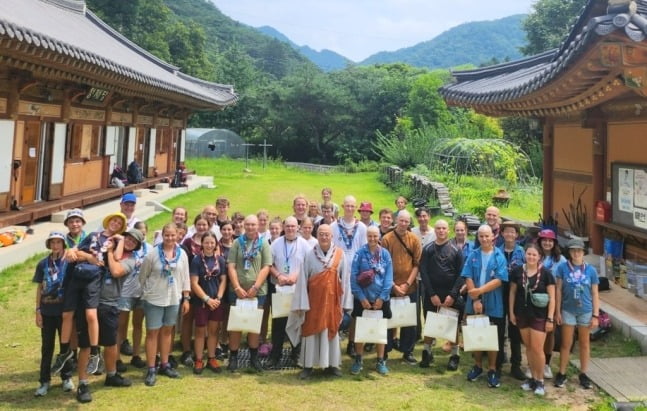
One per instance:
[(214, 365), (350, 349), (172, 362), (151, 377), (474, 373), (68, 385), (93, 364), (126, 348), (187, 359), (233, 363), (516, 373), (452, 365), (427, 359), (585, 381), (560, 380), (381, 367), (357, 366), (117, 381), (121, 367), (408, 358), (529, 385), (198, 367), (493, 379), (60, 361), (305, 374), (539, 388), (548, 373), (83, 393), (41, 391), (169, 372), (137, 362)]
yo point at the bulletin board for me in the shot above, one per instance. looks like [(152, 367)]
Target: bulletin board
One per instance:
[(629, 195)]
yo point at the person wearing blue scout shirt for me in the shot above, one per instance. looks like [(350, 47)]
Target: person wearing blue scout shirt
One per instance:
[(485, 271), (49, 275), (578, 304)]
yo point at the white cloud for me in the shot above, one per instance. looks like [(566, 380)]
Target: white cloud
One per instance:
[(359, 28)]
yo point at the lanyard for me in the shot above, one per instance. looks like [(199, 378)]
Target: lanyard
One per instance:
[(289, 252)]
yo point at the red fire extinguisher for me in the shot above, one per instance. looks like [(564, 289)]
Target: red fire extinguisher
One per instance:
[(603, 211)]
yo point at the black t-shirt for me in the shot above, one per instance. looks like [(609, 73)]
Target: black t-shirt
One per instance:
[(51, 274), (208, 283), (440, 269), (522, 304)]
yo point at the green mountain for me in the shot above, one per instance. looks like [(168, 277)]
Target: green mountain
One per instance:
[(475, 43), (327, 60)]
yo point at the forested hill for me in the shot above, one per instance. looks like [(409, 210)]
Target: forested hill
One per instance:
[(475, 43)]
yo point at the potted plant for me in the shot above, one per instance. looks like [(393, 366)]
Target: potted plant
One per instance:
[(577, 217)]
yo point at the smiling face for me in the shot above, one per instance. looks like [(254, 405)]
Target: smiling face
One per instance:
[(441, 228), (115, 225), (350, 205), (386, 220), (130, 243), (179, 215), (290, 227), (275, 229), (300, 207), (227, 232), (460, 230), (74, 225), (169, 236), (485, 238), (306, 229), (201, 226), (209, 212), (532, 256), (209, 244), (547, 245), (251, 226), (372, 237), (423, 218), (324, 236), (510, 235), (492, 216), (128, 208)]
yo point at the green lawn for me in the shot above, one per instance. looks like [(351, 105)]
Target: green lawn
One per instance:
[(405, 388)]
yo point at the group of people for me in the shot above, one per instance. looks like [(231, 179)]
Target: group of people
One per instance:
[(335, 266)]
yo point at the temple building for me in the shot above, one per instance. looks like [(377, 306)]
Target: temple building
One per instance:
[(590, 97), (77, 99)]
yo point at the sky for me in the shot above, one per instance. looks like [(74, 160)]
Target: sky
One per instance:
[(357, 29)]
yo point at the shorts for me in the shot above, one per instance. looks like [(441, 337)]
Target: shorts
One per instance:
[(537, 324), (108, 322), (158, 317), (581, 320), (232, 297), (128, 304), (358, 309), (203, 315), (81, 294)]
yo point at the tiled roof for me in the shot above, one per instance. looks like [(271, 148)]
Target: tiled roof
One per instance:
[(68, 28), (510, 81)]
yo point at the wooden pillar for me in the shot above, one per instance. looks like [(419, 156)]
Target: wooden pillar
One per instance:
[(548, 146), (599, 179)]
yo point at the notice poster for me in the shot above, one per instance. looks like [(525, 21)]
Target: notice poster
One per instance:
[(640, 189), (625, 191)]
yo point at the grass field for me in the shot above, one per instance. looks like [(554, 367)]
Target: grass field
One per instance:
[(405, 388)]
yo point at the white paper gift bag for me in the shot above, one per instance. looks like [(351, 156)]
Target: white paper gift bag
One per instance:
[(371, 327), (245, 316), (281, 304), (480, 338), (441, 325), (403, 313)]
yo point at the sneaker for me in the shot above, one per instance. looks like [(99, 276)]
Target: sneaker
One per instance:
[(560, 380), (187, 359), (493, 379), (381, 367), (350, 349), (233, 363), (41, 391), (539, 389), (225, 350), (126, 348), (452, 365), (585, 381), (333, 372), (214, 365), (93, 363), (169, 372), (474, 373), (305, 374), (60, 361), (220, 354), (548, 373), (121, 367), (408, 358), (83, 393), (151, 377), (427, 359), (137, 362), (357, 366), (68, 385), (101, 368), (172, 362), (265, 349), (516, 373), (529, 385), (198, 367), (117, 381)]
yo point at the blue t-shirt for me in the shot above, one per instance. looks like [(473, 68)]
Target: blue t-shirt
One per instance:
[(549, 263), (383, 280), (576, 287), (51, 273), (496, 268)]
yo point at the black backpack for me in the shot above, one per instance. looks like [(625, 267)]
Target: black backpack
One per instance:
[(134, 173)]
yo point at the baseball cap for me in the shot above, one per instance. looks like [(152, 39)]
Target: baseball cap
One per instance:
[(129, 198)]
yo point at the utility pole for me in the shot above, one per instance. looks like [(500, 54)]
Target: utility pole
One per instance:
[(265, 146), (247, 145)]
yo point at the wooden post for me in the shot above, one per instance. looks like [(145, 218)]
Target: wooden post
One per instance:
[(549, 187)]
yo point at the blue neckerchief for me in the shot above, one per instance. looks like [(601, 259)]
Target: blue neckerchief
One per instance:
[(168, 266), (346, 236), (58, 267), (139, 257), (249, 255)]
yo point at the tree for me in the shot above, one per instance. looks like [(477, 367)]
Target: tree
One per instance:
[(425, 105), (549, 23)]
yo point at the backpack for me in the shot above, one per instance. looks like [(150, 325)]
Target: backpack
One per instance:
[(134, 173), (177, 179)]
